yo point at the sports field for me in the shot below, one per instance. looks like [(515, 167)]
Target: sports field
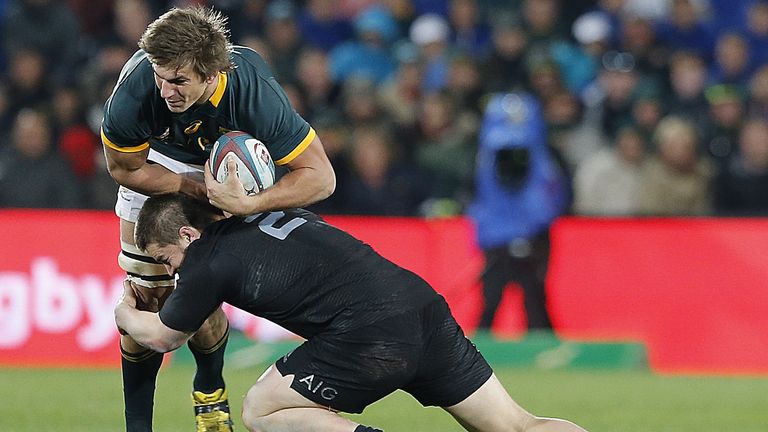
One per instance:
[(617, 401)]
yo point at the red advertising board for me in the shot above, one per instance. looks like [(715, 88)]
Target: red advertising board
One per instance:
[(692, 290)]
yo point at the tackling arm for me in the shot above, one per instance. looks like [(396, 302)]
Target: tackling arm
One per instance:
[(310, 179), (132, 171), (145, 327)]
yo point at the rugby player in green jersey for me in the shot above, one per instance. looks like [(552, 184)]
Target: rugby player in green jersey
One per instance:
[(185, 87)]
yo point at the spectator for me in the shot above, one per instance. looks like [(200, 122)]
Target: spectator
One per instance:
[(571, 138), (359, 102), (247, 18), (758, 93), (28, 84), (471, 35), (519, 193), (431, 34), (687, 79), (131, 19), (683, 29), (608, 182), (757, 32), (380, 183), (542, 22), (505, 69), (726, 108), (615, 11), (592, 31), (732, 61), (463, 84), (368, 55), (283, 38), (48, 27), (638, 37), (741, 186), (95, 18), (6, 116), (647, 111), (315, 82), (445, 150), (335, 132), (258, 44), (321, 26), (403, 12), (32, 173), (400, 96), (611, 105), (75, 140), (677, 180), (545, 78)]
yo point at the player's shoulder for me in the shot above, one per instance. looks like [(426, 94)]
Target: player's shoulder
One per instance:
[(248, 62), (136, 77)]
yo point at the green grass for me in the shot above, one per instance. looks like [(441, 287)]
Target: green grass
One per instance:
[(616, 401)]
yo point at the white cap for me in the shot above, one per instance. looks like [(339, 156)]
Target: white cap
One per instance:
[(591, 27), (429, 28)]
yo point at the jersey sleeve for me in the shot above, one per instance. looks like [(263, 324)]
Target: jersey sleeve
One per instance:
[(267, 114), (124, 127), (200, 289)]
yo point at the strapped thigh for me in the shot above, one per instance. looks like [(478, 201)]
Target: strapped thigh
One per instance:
[(142, 269)]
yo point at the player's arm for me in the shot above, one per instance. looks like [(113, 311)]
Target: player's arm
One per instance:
[(311, 178), (144, 327), (131, 170)]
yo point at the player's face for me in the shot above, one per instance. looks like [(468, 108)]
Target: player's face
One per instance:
[(181, 88), (171, 256)]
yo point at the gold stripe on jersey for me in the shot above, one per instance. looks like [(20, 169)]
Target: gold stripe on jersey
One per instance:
[(114, 146), (219, 92), (299, 148)]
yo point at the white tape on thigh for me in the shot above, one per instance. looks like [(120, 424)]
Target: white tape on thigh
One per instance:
[(142, 269)]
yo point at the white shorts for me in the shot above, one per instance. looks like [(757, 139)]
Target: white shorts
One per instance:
[(129, 203)]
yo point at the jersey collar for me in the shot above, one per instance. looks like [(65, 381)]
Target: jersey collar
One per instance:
[(215, 98)]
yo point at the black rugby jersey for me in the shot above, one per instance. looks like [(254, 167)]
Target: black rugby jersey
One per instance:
[(247, 98), (295, 270)]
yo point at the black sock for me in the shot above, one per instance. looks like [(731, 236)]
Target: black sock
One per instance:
[(210, 364), (361, 428), (139, 375)]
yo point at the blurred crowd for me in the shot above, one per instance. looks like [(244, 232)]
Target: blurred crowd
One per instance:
[(651, 107)]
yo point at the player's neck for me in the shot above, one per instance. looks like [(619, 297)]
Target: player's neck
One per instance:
[(209, 91)]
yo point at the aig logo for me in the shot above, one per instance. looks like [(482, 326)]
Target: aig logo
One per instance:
[(326, 392)]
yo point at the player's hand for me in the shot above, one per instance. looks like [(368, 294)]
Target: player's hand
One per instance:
[(194, 188), (230, 195), (127, 299), (129, 295)]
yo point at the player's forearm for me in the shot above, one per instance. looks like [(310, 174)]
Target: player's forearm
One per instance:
[(298, 188), (154, 179), (147, 329)]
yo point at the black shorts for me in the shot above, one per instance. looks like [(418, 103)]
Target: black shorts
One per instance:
[(423, 352)]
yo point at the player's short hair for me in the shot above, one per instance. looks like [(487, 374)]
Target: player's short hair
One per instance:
[(193, 36), (163, 215)]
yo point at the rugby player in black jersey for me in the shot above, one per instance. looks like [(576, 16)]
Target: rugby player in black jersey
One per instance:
[(185, 87), (371, 327)]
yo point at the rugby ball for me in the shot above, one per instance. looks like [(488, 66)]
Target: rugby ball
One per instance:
[(255, 167)]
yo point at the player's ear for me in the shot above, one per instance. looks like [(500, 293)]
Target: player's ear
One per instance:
[(188, 233)]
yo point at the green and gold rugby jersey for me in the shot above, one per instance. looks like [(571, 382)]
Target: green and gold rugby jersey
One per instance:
[(247, 98)]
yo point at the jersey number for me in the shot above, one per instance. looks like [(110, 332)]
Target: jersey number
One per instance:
[(267, 225)]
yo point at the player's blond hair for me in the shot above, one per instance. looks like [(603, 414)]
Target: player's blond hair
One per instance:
[(195, 36)]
